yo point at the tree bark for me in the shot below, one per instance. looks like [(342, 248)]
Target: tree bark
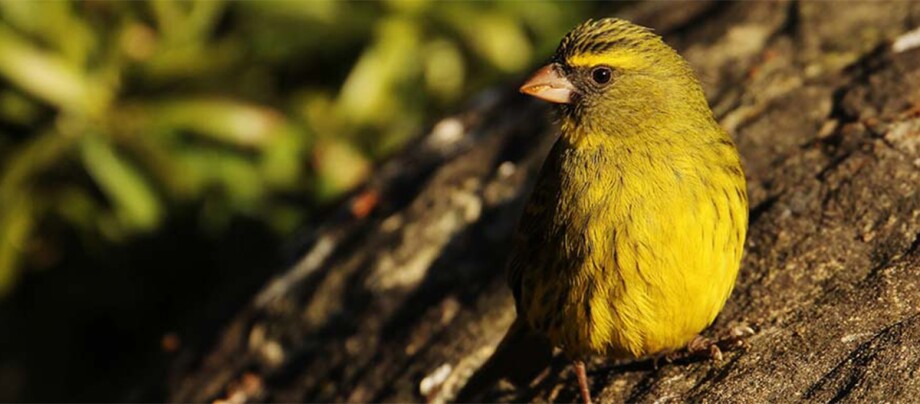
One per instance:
[(400, 295)]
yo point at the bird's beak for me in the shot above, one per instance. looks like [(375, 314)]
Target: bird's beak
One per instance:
[(549, 84)]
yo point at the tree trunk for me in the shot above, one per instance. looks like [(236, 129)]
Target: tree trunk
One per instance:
[(400, 296)]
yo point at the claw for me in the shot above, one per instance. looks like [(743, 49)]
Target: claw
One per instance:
[(741, 331), (700, 346), (715, 353), (671, 356)]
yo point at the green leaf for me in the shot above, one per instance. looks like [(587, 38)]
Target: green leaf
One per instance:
[(227, 121), (49, 77), (54, 23), (136, 205), (16, 221)]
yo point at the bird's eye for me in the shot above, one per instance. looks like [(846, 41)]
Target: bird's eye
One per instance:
[(601, 74)]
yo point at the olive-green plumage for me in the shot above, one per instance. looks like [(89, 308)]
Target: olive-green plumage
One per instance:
[(633, 236)]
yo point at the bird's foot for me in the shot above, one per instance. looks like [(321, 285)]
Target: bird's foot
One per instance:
[(712, 348), (582, 382), (668, 357), (701, 346), (738, 333), (708, 348)]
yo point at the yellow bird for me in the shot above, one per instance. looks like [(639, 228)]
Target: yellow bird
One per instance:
[(631, 241)]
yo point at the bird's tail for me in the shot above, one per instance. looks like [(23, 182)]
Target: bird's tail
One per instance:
[(520, 356)]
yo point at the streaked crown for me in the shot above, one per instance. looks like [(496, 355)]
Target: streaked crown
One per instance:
[(610, 41)]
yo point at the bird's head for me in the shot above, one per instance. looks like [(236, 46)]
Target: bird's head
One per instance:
[(611, 75)]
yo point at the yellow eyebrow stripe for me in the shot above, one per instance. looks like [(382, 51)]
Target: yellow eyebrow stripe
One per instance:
[(618, 60)]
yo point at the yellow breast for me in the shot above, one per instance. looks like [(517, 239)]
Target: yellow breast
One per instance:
[(642, 250)]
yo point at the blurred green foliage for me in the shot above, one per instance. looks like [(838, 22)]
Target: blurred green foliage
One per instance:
[(115, 114)]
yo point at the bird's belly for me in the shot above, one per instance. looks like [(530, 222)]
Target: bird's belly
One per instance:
[(633, 324), (665, 280)]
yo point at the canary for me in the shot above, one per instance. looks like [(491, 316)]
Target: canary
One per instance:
[(631, 241)]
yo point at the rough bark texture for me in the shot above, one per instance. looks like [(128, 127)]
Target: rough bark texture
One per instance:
[(411, 298)]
